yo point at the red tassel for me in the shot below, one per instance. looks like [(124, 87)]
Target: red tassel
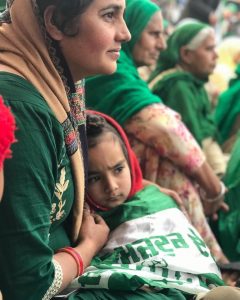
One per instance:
[(7, 129)]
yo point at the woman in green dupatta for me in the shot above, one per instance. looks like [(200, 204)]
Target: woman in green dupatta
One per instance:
[(46, 237), (179, 78), (227, 113), (167, 152)]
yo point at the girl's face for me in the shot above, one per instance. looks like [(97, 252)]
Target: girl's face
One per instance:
[(147, 49), (96, 47), (109, 178)]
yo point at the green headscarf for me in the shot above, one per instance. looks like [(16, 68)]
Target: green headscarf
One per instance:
[(124, 93), (182, 36), (137, 15)]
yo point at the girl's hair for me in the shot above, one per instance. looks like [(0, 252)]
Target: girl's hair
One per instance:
[(66, 13), (97, 126)]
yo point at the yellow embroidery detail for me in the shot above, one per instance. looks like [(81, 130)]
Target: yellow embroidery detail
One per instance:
[(58, 209)]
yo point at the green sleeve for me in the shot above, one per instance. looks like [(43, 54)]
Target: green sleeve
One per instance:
[(192, 105), (30, 176), (182, 100)]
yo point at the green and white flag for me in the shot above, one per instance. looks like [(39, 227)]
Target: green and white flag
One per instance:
[(151, 244)]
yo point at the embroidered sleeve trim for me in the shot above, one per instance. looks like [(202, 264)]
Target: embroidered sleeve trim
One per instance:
[(57, 282)]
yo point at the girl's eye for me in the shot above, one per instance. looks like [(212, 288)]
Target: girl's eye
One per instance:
[(119, 169), (93, 179)]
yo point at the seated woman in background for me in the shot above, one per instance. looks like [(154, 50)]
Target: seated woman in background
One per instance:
[(167, 152), (179, 78), (153, 252), (227, 112)]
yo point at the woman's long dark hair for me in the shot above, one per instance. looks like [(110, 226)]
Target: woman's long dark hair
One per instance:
[(66, 13)]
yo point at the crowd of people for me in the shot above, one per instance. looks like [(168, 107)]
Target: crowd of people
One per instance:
[(118, 183)]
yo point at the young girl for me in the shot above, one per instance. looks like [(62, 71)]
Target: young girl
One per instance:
[(152, 247)]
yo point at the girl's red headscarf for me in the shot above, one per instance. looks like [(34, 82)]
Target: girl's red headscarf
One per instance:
[(134, 166), (7, 128)]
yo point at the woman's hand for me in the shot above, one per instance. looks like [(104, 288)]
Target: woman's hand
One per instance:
[(212, 205), (211, 209), (93, 235), (170, 193)]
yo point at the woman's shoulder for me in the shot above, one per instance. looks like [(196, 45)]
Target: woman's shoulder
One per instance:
[(15, 88), (174, 78)]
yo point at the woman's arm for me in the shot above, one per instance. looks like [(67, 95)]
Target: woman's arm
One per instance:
[(93, 236), (26, 225), (159, 127)]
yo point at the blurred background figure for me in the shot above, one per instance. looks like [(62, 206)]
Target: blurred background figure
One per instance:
[(202, 10), (231, 18), (228, 51), (179, 78)]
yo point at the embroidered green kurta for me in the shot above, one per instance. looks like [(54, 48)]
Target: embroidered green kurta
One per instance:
[(38, 193), (186, 94)]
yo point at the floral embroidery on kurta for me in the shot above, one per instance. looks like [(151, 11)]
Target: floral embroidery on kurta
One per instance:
[(58, 208)]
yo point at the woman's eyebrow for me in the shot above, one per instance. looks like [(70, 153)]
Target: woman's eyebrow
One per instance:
[(112, 6)]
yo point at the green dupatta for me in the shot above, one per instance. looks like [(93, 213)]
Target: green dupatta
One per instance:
[(124, 93), (186, 94), (228, 107)]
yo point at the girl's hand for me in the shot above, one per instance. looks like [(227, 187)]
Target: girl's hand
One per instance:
[(94, 231)]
